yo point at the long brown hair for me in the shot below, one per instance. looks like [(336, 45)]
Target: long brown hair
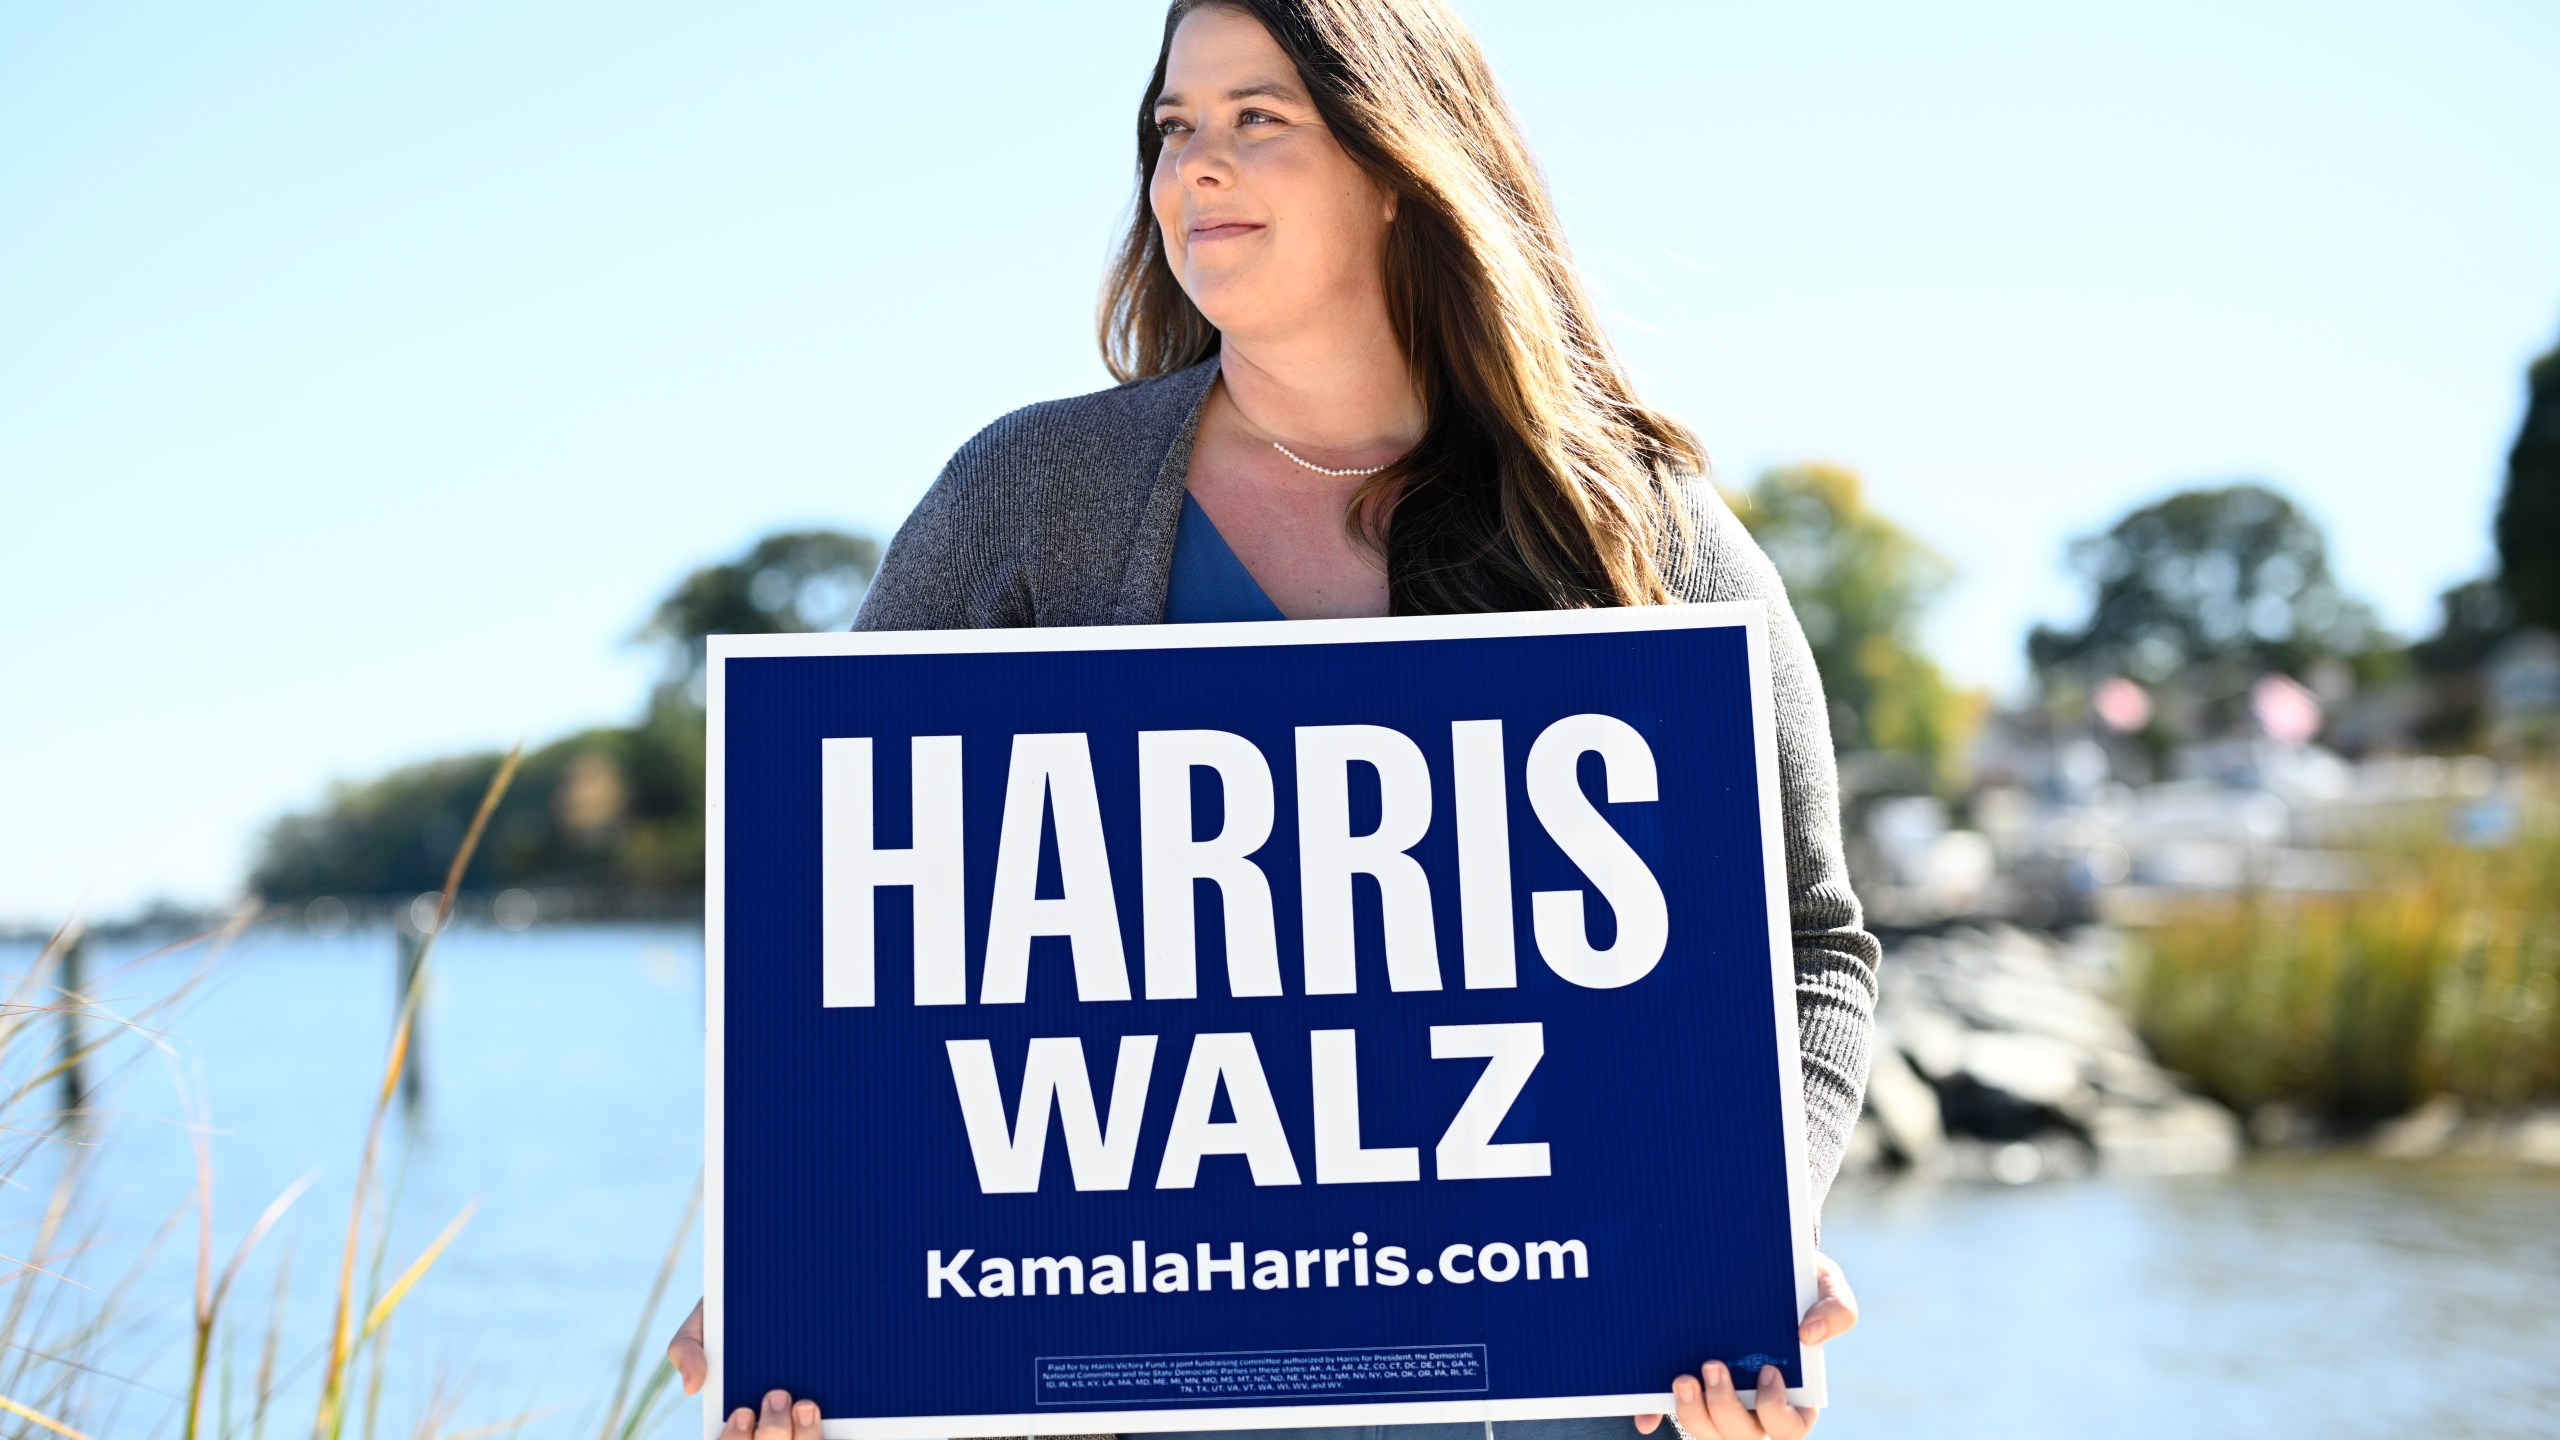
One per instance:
[(1541, 481)]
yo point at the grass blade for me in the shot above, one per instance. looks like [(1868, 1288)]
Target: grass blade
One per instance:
[(417, 1270), (652, 1402), (38, 1418), (616, 1421), (342, 1331)]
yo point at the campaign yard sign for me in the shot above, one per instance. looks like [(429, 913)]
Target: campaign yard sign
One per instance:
[(1204, 1026)]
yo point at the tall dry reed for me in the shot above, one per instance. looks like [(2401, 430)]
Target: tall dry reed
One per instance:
[(2439, 976), (55, 1337)]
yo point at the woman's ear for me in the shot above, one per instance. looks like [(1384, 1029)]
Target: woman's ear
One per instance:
[(1391, 205)]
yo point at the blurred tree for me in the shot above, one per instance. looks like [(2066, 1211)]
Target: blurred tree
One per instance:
[(2528, 524), (608, 810), (1859, 584), (382, 836), (614, 811), (2480, 615), (2199, 594), (792, 583), (2476, 616)]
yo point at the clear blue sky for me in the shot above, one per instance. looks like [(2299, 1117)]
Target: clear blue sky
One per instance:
[(366, 373)]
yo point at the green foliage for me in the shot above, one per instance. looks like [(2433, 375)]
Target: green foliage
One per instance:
[(1859, 585), (616, 810), (2528, 524), (791, 583), (2477, 616), (2439, 977), (2481, 615), (2202, 592), (611, 809)]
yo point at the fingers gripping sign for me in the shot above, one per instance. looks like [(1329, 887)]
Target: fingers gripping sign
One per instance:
[(1711, 1408), (1835, 1307), (778, 1419)]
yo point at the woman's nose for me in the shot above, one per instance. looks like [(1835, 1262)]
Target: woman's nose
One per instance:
[(1203, 161)]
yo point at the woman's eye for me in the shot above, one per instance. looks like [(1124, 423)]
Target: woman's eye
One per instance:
[(1251, 117), (1169, 126)]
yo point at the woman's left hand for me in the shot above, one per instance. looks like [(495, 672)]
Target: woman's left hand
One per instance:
[(1710, 1404)]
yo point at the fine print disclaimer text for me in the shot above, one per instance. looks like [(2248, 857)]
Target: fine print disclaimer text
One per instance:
[(1259, 1376)]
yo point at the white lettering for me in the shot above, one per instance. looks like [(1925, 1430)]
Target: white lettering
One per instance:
[(995, 1277), (1009, 1160), (1340, 1160), (937, 1274), (1110, 1275), (1494, 1262), (1052, 1266), (1052, 776), (1484, 854), (1173, 861), (1208, 1266), (1329, 855), (1580, 831), (1229, 1060), (854, 869), (1466, 1150), (1554, 1254)]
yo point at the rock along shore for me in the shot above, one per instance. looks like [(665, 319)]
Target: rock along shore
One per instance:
[(1999, 1056)]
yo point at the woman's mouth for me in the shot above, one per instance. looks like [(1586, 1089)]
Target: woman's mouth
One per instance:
[(1221, 230)]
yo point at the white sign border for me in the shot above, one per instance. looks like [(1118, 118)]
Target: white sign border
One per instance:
[(1506, 625)]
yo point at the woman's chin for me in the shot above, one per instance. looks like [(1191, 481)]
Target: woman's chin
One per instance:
[(1236, 294), (1249, 322)]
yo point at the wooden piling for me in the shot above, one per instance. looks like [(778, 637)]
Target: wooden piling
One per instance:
[(73, 982), (409, 946)]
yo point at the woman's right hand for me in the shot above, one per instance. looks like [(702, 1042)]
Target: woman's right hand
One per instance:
[(779, 1420)]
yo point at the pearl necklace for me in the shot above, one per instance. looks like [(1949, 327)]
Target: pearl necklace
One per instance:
[(1325, 470)]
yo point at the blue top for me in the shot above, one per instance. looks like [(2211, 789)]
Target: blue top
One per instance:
[(1208, 582)]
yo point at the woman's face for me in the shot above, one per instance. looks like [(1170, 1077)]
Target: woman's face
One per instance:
[(1268, 224)]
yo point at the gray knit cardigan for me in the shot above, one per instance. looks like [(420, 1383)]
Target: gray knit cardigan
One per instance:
[(1064, 514)]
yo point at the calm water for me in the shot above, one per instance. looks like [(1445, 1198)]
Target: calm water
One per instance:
[(2327, 1297), (563, 1071), (563, 1081)]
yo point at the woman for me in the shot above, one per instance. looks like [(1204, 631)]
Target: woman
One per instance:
[(1361, 378)]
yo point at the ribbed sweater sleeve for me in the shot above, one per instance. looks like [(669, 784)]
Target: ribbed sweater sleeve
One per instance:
[(956, 564), (1835, 956)]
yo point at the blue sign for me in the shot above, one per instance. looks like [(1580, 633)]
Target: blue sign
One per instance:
[(1200, 1026)]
